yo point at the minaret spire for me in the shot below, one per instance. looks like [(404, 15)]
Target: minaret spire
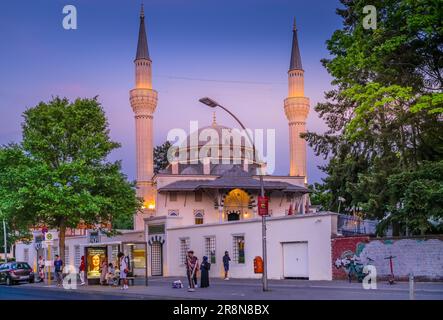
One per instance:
[(295, 63), (142, 45)]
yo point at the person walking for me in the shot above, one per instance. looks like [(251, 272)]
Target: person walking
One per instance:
[(41, 268), (58, 270), (191, 269), (226, 260), (81, 269), (103, 272), (124, 270), (205, 267)]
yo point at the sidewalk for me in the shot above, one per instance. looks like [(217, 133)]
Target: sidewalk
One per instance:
[(246, 289)]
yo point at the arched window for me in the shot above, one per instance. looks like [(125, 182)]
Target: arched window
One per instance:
[(199, 216)]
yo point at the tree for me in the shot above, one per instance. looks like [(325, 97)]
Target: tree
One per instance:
[(161, 160), (62, 176), (384, 114)]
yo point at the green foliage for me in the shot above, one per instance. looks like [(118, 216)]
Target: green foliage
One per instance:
[(384, 115), (59, 176), (416, 198), (161, 156)]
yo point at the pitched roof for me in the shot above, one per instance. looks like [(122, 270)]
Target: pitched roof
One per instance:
[(233, 178)]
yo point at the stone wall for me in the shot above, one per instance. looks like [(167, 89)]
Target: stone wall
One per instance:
[(423, 256)]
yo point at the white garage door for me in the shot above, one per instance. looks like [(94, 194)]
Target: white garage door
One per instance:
[(295, 260)]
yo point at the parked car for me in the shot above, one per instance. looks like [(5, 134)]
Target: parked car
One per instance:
[(14, 272)]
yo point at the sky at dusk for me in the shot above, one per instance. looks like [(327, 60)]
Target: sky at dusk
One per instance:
[(236, 52)]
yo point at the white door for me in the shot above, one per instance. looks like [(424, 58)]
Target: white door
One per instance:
[(295, 260)]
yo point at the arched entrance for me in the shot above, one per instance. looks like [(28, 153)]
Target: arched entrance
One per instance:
[(236, 204), (156, 243)]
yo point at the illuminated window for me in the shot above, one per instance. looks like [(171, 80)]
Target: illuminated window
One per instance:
[(238, 249), (198, 216)]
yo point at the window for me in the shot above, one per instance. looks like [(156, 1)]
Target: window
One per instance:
[(184, 248), (198, 215), (198, 196), (67, 257), (172, 196), (239, 249), (26, 255), (173, 213), (77, 256), (210, 248)]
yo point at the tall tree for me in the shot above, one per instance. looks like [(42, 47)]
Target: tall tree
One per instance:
[(63, 178), (384, 114)]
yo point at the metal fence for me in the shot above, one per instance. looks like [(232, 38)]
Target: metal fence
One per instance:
[(352, 225)]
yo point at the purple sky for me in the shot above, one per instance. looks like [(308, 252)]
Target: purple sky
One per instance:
[(241, 47)]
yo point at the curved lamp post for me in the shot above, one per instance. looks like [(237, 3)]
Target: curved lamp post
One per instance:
[(213, 104)]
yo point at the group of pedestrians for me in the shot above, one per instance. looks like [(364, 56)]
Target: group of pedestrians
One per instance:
[(108, 273), (193, 267)]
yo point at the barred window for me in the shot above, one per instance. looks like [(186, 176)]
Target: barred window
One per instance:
[(26, 255), (67, 258), (210, 249), (184, 248), (238, 249), (77, 256)]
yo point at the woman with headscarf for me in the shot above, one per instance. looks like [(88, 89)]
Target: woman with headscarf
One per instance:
[(205, 267)]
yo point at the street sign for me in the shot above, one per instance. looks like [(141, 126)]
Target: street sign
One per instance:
[(50, 236), (263, 205)]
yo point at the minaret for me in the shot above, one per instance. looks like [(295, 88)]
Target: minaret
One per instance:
[(296, 110), (143, 102)]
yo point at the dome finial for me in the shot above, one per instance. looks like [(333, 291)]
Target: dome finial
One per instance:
[(214, 120), (142, 11)]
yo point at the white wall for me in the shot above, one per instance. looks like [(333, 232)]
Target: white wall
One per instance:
[(313, 229)]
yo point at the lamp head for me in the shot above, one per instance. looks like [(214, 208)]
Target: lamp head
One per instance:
[(209, 102)]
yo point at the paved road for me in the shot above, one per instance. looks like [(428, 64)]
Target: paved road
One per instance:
[(160, 288), (22, 292)]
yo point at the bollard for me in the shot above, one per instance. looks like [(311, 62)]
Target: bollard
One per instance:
[(411, 287)]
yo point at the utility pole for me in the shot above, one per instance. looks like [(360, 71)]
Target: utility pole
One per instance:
[(263, 226)]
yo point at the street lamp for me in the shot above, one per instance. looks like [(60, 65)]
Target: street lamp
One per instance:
[(213, 104)]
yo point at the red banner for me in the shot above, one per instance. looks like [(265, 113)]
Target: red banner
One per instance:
[(263, 206)]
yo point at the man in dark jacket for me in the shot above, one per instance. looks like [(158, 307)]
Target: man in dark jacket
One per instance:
[(58, 270), (226, 260)]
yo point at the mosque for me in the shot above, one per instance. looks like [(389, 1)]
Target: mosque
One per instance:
[(210, 204)]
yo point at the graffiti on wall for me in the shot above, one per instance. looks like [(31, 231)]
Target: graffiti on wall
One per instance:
[(421, 257)]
